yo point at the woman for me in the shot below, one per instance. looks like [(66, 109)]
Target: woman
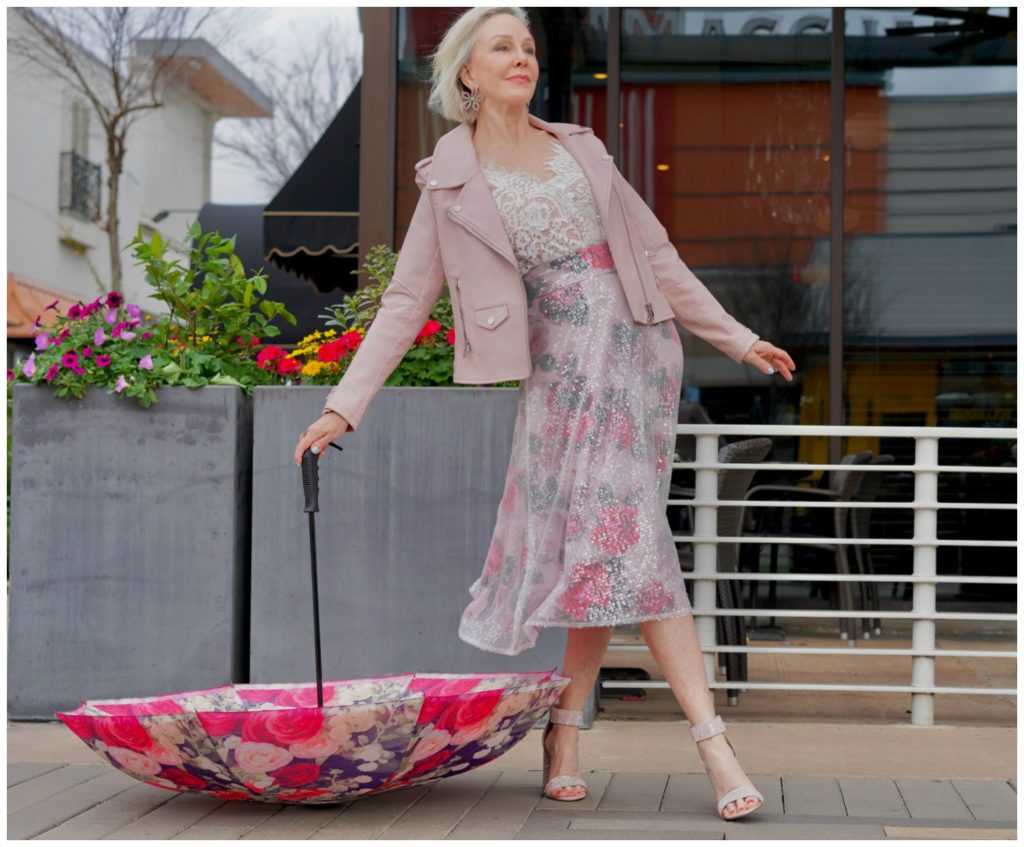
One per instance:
[(581, 541)]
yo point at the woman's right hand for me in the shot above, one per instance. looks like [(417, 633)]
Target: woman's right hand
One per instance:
[(320, 433)]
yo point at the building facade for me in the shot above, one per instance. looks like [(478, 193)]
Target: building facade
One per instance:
[(843, 180), (57, 178)]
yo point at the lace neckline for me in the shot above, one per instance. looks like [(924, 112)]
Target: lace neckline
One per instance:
[(556, 150)]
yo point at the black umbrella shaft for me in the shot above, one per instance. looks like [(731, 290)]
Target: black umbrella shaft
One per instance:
[(316, 612)]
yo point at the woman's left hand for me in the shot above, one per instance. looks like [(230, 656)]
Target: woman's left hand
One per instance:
[(766, 357)]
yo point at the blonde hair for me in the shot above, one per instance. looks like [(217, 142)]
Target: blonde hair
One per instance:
[(451, 56)]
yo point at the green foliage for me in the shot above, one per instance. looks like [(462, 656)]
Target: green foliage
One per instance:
[(217, 316)]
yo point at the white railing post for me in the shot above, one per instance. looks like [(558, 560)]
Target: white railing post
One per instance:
[(705, 546), (926, 490)]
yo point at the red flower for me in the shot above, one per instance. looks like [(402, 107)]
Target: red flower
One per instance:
[(114, 299), (219, 723), (653, 598), (430, 328), (183, 778), (329, 352), (122, 732), (589, 585), (80, 725), (297, 773), (450, 337), (288, 367), (469, 711), (268, 355), (351, 340), (617, 529), (283, 726), (426, 765)]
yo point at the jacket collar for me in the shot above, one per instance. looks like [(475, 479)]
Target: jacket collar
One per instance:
[(455, 161), (455, 165)]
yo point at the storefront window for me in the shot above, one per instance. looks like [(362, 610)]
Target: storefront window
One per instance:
[(930, 332), (725, 133)]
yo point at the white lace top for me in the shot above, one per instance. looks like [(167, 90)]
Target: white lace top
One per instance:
[(546, 219)]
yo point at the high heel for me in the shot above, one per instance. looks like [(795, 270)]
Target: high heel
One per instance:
[(566, 717), (706, 730)]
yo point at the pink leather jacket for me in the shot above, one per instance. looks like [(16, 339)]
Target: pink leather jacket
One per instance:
[(457, 235)]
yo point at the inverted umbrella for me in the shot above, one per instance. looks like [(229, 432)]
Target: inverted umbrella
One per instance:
[(273, 743), (306, 743)]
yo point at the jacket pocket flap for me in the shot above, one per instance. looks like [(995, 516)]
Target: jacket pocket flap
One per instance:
[(492, 316)]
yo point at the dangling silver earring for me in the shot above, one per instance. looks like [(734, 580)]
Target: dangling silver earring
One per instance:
[(471, 100)]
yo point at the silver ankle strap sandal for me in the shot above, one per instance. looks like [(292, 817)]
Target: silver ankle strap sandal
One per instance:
[(565, 717), (708, 729)]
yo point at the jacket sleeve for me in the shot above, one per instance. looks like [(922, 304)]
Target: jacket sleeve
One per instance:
[(404, 307), (693, 305)]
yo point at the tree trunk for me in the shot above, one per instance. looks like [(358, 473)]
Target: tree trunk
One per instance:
[(115, 164)]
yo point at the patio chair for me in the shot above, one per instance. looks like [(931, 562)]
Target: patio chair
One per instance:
[(842, 485), (860, 528), (732, 485)]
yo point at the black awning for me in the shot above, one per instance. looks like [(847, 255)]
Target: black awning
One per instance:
[(311, 227)]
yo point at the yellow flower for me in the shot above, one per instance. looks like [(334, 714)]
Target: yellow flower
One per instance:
[(312, 368)]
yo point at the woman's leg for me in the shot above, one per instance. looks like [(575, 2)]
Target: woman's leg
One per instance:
[(675, 645), (584, 652)]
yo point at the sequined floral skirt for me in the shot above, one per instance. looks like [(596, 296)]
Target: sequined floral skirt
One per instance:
[(581, 537)]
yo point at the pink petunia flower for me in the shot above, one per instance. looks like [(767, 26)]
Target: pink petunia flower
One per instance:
[(42, 340), (99, 337), (146, 362), (52, 372), (28, 367), (103, 360), (120, 384)]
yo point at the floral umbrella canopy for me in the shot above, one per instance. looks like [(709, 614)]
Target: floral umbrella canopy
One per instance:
[(273, 743)]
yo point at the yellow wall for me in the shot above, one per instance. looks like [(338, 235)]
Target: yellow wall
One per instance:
[(873, 389)]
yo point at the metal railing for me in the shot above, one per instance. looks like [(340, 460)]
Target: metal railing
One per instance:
[(79, 186), (924, 578)]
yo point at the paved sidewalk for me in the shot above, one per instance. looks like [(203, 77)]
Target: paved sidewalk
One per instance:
[(820, 781)]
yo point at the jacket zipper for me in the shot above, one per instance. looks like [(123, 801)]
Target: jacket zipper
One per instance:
[(466, 347), (636, 264)]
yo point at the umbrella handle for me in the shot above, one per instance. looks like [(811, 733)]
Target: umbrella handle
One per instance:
[(311, 478), (310, 481)]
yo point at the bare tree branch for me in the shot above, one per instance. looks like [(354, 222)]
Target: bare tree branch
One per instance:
[(307, 94), (92, 50)]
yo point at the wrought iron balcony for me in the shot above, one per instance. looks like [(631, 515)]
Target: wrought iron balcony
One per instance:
[(79, 186)]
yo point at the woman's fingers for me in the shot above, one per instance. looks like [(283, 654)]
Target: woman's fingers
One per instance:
[(773, 359)]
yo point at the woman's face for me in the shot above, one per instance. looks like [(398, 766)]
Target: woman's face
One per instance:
[(503, 65)]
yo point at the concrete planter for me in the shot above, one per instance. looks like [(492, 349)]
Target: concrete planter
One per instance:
[(129, 545), (405, 522)]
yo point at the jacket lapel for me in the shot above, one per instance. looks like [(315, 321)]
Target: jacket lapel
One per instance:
[(455, 164)]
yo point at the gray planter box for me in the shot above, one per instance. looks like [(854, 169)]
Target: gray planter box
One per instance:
[(406, 516), (129, 545)]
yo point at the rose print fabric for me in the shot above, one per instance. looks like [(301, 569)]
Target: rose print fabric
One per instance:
[(581, 538), (272, 742)]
